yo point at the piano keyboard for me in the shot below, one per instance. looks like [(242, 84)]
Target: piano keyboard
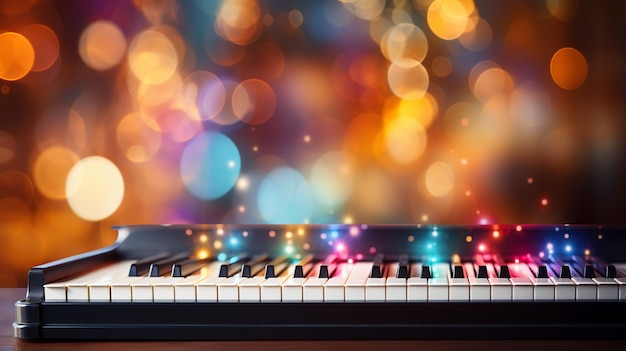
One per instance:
[(247, 282), (332, 280)]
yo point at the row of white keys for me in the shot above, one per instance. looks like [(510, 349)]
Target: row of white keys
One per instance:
[(77, 289)]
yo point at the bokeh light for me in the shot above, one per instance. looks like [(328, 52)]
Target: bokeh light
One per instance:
[(94, 188), (17, 56), (285, 197), (210, 165), (568, 68), (102, 45)]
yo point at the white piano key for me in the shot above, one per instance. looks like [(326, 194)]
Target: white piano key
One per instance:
[(621, 283), (334, 290), (480, 288), (291, 289), (395, 288), (375, 289), (141, 289), (586, 289), (271, 290), (100, 289), (459, 289), (438, 290), (621, 280), (355, 284), (416, 287), (522, 285), (608, 289), (313, 289), (564, 289), (250, 289), (228, 289), (54, 292)]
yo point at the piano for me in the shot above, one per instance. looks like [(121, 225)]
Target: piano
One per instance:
[(348, 281)]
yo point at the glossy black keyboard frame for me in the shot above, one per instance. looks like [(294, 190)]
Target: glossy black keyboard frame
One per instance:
[(37, 319)]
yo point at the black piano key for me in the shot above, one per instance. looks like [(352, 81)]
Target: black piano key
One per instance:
[(610, 272), (377, 271), (589, 272), (565, 272), (482, 272), (323, 271), (246, 271), (185, 268), (269, 271), (303, 267), (403, 267), (458, 272), (504, 272), (223, 271), (298, 272), (142, 266), (426, 272), (542, 271)]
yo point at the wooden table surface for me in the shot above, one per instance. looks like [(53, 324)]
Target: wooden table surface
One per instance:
[(8, 297)]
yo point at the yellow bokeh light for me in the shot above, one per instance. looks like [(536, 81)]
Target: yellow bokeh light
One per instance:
[(152, 57), (407, 79), (405, 140), (94, 188), (404, 41), (102, 45), (439, 179), (568, 68), (447, 18), (17, 56), (50, 171), (239, 21)]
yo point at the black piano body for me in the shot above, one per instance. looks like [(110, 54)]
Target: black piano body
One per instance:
[(38, 319)]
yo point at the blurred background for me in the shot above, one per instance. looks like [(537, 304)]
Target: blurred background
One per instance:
[(353, 111)]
